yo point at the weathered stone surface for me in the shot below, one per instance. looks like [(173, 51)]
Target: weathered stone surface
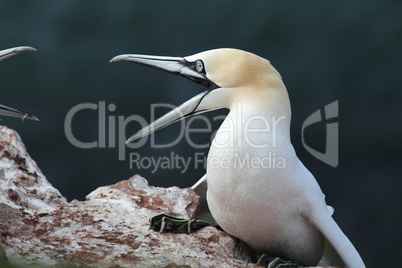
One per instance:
[(21, 181)]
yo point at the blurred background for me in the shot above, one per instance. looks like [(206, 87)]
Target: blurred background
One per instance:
[(325, 51)]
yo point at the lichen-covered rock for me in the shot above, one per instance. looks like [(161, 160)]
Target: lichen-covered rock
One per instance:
[(21, 181), (111, 229)]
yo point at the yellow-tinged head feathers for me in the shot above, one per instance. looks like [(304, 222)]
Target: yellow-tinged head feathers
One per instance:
[(231, 68)]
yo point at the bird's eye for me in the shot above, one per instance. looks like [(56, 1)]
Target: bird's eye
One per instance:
[(199, 66)]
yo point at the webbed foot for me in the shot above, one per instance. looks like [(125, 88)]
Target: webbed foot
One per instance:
[(167, 223), (277, 262)]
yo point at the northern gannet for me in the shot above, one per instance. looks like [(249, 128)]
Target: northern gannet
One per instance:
[(274, 209), (5, 110)]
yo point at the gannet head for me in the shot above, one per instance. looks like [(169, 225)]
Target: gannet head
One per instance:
[(5, 110), (229, 75)]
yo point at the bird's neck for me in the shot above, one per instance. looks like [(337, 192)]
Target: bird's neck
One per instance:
[(263, 110), (257, 122)]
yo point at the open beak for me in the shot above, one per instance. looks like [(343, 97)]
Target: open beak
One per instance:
[(178, 66), (8, 111), (8, 53), (5, 110)]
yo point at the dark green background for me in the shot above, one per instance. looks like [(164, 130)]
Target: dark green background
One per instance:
[(325, 51)]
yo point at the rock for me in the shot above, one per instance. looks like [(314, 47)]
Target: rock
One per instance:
[(21, 181), (110, 229)]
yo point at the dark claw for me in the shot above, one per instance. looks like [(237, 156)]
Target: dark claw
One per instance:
[(170, 224)]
